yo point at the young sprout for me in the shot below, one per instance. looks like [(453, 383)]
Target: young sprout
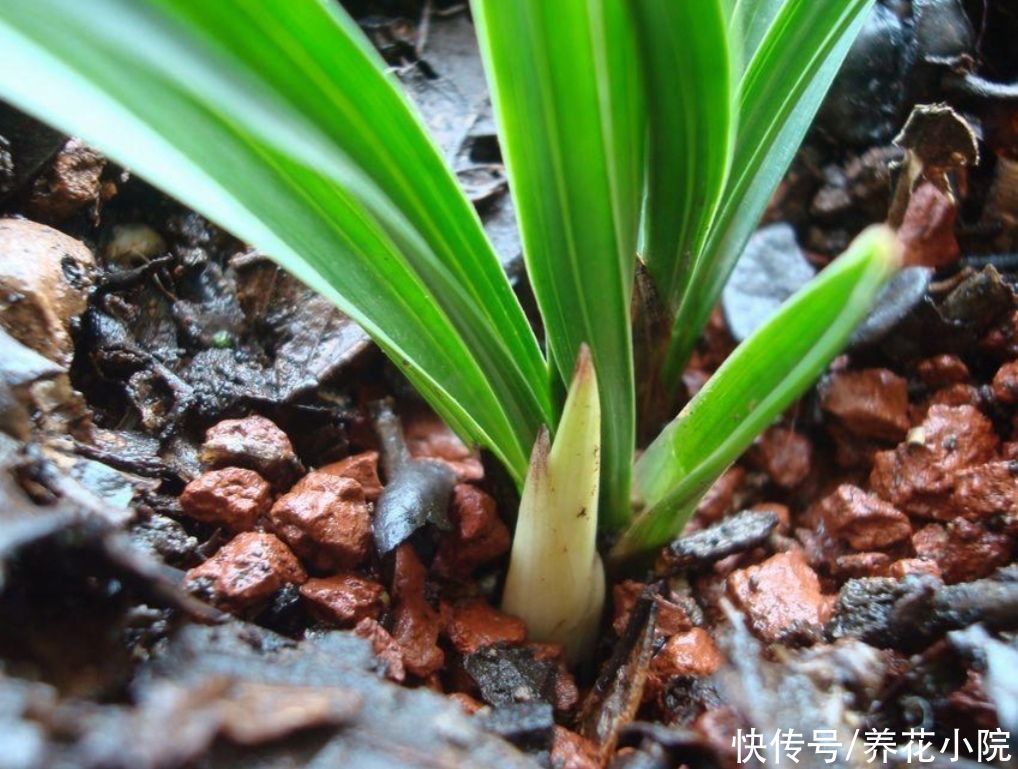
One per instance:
[(556, 580), (655, 126)]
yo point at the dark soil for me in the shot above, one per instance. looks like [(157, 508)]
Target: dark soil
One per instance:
[(231, 534)]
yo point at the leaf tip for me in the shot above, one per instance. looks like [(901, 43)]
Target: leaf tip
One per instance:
[(584, 368)]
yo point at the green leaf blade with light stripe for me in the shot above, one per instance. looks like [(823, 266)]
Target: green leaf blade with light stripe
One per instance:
[(757, 382), (566, 87), (230, 127)]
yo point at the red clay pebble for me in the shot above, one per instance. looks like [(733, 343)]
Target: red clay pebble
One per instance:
[(927, 229), (855, 565), (851, 451), (478, 535), (719, 499), (863, 520), (784, 455), (942, 370), (963, 550), (325, 520), (571, 751), (245, 572), (415, 624), (781, 597), (953, 395), (1005, 383), (468, 704), (984, 491), (428, 437), (253, 442), (917, 476), (904, 567), (671, 618), (717, 726), (343, 599), (872, 403), (473, 624), (384, 648), (363, 468), (689, 654), (233, 497)]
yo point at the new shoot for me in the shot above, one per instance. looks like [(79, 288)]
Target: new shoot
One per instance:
[(556, 581)]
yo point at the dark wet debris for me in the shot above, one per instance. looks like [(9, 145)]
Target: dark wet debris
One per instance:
[(913, 613), (505, 675), (416, 492), (734, 534), (239, 695), (530, 726), (615, 697)]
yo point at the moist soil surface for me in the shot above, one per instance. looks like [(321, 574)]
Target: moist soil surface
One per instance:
[(232, 535)]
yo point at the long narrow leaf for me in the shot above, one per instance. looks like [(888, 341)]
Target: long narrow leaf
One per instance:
[(779, 94), (690, 132), (565, 83), (758, 381), (268, 118)]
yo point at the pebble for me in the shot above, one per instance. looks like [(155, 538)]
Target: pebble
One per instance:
[(45, 279), (571, 751), (917, 476), (942, 370), (953, 395), (473, 624), (855, 565), (416, 625), (428, 437), (689, 654), (671, 617), (784, 454), (72, 182), (384, 647), (478, 535), (253, 442), (906, 566), (983, 491), (781, 598), (469, 705), (871, 403), (363, 468), (343, 599), (245, 572), (719, 500), (863, 520), (234, 498), (963, 550), (325, 519), (1005, 383)]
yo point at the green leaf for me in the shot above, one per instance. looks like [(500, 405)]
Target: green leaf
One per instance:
[(555, 581), (276, 121), (782, 88), (758, 381), (565, 84), (749, 21), (690, 133)]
